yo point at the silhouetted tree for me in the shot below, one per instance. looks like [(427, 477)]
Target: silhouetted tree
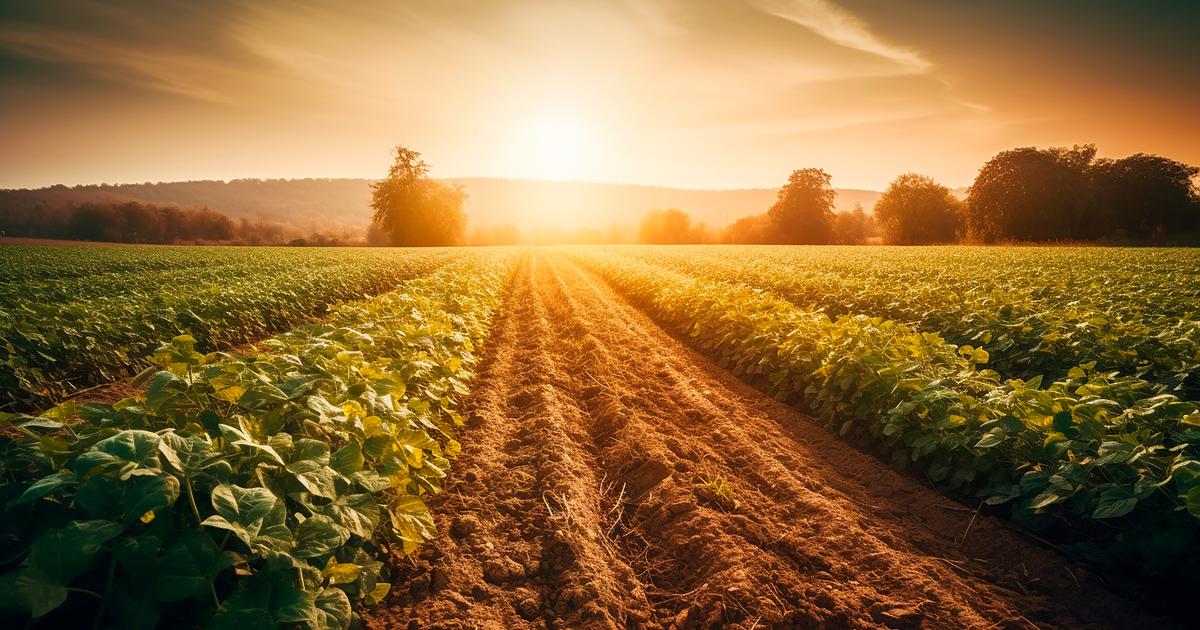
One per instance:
[(852, 227), (670, 226), (415, 210), (803, 211), (915, 210), (1028, 194), (1145, 196), (754, 229)]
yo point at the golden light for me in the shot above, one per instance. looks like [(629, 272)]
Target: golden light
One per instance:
[(556, 147)]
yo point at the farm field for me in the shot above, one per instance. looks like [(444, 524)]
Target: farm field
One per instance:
[(588, 436), (71, 318)]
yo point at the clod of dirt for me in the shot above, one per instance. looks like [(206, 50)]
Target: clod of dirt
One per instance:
[(528, 604), (439, 580), (463, 526), (681, 507), (645, 475), (458, 600), (502, 570)]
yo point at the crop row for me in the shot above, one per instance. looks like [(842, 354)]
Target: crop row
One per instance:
[(25, 263), (65, 334), (247, 491), (1132, 311), (1090, 456)]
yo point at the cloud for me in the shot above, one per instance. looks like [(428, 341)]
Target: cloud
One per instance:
[(192, 76), (841, 27)]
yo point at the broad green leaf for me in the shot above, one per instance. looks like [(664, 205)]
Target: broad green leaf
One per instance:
[(45, 486), (187, 568), (318, 536), (264, 600), (334, 608), (348, 459), (411, 521), (1115, 502), (134, 446), (31, 590), (66, 552)]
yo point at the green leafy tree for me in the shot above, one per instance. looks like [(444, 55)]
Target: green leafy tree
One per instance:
[(415, 210), (1030, 194), (756, 229), (1145, 196), (915, 210), (670, 226), (803, 211), (851, 228)]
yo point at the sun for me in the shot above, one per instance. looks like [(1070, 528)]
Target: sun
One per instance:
[(557, 147)]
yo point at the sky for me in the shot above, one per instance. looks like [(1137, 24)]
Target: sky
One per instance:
[(687, 93)]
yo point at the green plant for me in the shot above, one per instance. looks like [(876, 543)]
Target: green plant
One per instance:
[(70, 318), (248, 490), (1099, 453)]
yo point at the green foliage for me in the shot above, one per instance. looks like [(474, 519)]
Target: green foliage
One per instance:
[(1133, 311), (915, 210), (248, 490), (74, 317), (414, 209), (803, 210), (1090, 451)]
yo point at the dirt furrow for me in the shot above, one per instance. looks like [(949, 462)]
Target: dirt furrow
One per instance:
[(611, 477)]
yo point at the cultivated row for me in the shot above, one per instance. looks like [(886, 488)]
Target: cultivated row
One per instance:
[(59, 334), (248, 490)]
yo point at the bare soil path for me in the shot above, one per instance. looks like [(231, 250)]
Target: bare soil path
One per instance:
[(613, 478)]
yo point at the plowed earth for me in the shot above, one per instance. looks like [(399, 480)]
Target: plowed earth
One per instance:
[(613, 478)]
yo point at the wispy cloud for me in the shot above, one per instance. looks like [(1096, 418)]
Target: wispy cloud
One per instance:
[(193, 76), (842, 27)]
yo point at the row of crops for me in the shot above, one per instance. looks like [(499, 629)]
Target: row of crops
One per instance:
[(71, 318), (248, 490), (1103, 457), (1035, 312)]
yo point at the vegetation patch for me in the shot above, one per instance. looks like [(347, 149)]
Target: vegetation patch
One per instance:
[(247, 490)]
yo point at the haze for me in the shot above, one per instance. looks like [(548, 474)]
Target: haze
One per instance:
[(677, 93)]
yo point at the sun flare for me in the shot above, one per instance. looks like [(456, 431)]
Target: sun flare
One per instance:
[(557, 147)]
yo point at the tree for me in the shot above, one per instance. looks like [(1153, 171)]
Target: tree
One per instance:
[(754, 229), (670, 226), (1145, 196), (803, 211), (1028, 194), (851, 228), (915, 210), (415, 210)]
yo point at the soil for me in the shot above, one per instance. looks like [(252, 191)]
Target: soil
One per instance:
[(613, 478)]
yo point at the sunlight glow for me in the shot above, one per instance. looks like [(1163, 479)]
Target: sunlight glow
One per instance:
[(557, 147)]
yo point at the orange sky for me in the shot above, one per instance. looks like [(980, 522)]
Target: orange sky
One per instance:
[(679, 92)]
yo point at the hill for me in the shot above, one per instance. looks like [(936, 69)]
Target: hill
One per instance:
[(343, 204)]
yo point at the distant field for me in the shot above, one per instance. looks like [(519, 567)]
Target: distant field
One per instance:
[(616, 425), (73, 317)]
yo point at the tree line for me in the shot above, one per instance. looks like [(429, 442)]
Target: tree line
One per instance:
[(1026, 194), (1020, 195), (136, 222)]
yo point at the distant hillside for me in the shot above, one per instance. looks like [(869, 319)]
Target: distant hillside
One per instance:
[(585, 204), (344, 203), (333, 204)]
